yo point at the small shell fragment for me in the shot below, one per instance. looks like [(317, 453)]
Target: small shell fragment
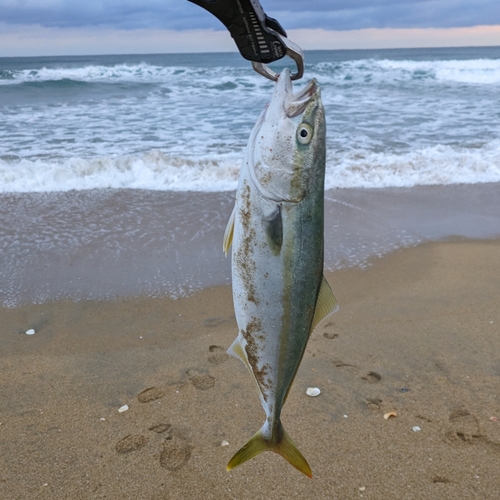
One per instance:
[(123, 408), (494, 419), (225, 443), (313, 391), (30, 332), (390, 414), (416, 428)]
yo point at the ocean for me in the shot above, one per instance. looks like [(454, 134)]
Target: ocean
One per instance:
[(144, 137)]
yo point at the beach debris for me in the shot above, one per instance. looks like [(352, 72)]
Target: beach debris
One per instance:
[(404, 389), (390, 414), (362, 488), (345, 416), (30, 332), (494, 419), (416, 428), (123, 408), (313, 391), (102, 418), (225, 443), (276, 233)]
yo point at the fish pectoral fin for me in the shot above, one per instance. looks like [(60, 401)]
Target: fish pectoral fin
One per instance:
[(273, 225), (228, 233), (280, 443), (326, 304)]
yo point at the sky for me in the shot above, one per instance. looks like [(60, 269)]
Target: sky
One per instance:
[(69, 27)]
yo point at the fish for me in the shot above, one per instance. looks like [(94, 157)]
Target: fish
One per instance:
[(276, 231)]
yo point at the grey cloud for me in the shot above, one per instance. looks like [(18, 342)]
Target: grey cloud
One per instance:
[(181, 14)]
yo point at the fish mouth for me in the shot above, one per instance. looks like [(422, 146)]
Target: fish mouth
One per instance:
[(285, 103), (294, 104), (298, 102)]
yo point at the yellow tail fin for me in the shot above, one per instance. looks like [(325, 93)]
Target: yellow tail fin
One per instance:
[(280, 444)]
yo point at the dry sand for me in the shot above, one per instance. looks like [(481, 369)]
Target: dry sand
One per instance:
[(418, 333)]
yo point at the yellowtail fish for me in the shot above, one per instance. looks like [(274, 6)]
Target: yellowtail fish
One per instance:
[(276, 231)]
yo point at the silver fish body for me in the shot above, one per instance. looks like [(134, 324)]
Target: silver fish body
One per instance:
[(276, 231)]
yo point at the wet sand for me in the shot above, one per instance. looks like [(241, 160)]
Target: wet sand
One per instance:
[(418, 333), (104, 244)]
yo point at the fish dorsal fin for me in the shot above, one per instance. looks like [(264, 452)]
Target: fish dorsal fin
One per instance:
[(228, 233), (326, 304)]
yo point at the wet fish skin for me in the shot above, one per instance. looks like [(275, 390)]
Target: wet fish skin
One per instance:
[(276, 231)]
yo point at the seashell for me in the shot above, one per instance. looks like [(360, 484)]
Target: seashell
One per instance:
[(123, 408), (313, 391), (390, 414), (416, 428), (225, 443), (30, 332)]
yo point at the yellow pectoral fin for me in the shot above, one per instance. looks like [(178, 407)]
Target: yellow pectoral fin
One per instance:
[(228, 233), (326, 304)]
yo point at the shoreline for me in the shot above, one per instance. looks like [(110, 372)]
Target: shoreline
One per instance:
[(417, 333), (116, 243)]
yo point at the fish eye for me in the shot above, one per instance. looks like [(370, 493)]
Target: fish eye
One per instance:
[(304, 133)]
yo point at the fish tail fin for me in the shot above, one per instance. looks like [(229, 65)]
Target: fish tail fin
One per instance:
[(280, 442)]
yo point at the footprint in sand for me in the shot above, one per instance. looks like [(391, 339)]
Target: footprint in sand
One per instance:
[(374, 403), (465, 429), (201, 381), (341, 364), (150, 394), (132, 442), (175, 454), (372, 377), (464, 426), (217, 355), (161, 428)]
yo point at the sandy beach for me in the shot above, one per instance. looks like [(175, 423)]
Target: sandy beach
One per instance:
[(417, 334)]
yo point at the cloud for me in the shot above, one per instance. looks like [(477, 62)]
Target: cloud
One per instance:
[(292, 14), (362, 14)]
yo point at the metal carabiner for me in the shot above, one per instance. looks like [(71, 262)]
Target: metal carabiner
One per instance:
[(293, 51)]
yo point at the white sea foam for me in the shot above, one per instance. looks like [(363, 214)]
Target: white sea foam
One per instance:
[(474, 71), (437, 165), (135, 73), (146, 125), (153, 170), (158, 171), (120, 72)]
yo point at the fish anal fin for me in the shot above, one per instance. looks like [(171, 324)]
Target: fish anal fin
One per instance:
[(280, 443), (228, 233), (238, 351), (326, 304)]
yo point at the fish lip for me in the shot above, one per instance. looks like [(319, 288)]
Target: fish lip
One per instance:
[(294, 104)]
